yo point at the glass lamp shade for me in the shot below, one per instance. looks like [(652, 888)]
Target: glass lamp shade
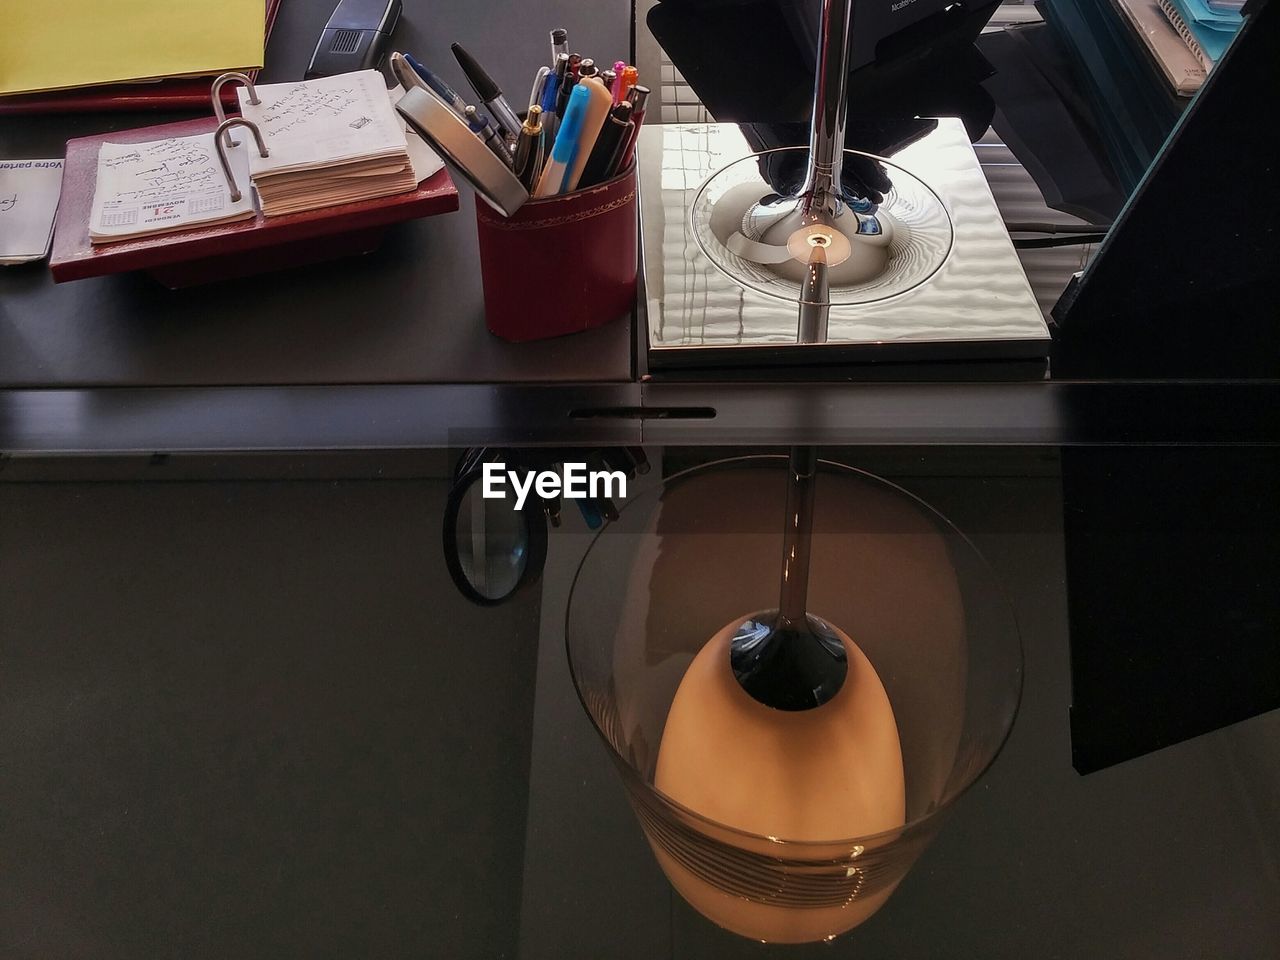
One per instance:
[(789, 826)]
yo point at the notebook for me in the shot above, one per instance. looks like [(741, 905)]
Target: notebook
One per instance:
[(330, 140), (1180, 66), (171, 93), (1207, 43), (80, 43), (163, 186), (29, 191), (1207, 15)]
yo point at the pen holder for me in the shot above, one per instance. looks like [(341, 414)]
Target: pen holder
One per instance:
[(560, 264)]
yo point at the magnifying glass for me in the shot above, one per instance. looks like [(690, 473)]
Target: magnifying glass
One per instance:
[(492, 550)]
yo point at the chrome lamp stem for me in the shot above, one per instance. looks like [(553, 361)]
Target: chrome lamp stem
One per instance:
[(821, 192), (820, 196)]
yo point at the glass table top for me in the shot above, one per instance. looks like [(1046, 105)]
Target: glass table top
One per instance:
[(247, 713)]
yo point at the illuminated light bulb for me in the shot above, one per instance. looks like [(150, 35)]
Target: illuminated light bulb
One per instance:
[(818, 775)]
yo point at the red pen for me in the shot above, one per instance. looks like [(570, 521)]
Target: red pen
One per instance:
[(638, 96)]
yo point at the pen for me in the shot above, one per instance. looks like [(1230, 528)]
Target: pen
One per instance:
[(615, 165), (616, 127), (599, 102), (433, 83), (528, 158), (481, 127), (540, 81), (405, 75), (559, 43), (587, 68), (638, 96), (562, 66), (551, 92), (488, 91), (553, 174), (608, 76), (566, 89), (615, 85), (628, 77), (575, 62)]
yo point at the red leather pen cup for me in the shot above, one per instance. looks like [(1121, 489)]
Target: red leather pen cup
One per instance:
[(561, 264)]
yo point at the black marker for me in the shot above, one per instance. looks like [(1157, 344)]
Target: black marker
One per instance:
[(488, 91)]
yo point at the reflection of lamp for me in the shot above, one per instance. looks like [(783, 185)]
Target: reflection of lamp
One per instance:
[(822, 244), (790, 824), (781, 727)]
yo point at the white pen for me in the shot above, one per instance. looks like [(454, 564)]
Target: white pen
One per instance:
[(539, 86)]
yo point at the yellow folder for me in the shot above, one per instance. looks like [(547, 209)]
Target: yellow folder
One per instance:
[(78, 43)]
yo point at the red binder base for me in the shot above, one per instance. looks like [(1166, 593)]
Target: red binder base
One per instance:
[(229, 250)]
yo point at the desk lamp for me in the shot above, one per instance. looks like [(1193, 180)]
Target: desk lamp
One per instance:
[(815, 255), (826, 241)]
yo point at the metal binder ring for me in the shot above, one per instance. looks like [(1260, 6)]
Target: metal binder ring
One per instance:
[(216, 89), (218, 145)]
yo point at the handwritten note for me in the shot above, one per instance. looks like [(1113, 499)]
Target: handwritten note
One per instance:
[(29, 191), (316, 123), (165, 185)]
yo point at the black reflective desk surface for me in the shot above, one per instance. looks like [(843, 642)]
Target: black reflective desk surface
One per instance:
[(245, 714)]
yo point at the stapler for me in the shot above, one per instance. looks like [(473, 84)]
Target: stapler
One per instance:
[(355, 38)]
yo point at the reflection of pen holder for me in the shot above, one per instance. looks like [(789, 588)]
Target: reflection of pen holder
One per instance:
[(561, 264)]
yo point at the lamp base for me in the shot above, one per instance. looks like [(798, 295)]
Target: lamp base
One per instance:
[(932, 274), (873, 249)]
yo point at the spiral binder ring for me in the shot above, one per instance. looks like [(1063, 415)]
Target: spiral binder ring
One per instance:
[(220, 146), (216, 89)]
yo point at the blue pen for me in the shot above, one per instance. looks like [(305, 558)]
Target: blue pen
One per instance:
[(549, 119), (550, 94), (549, 91), (565, 150), (438, 86)]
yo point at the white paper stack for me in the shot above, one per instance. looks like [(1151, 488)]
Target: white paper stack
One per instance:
[(162, 186), (331, 140), (29, 191)]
